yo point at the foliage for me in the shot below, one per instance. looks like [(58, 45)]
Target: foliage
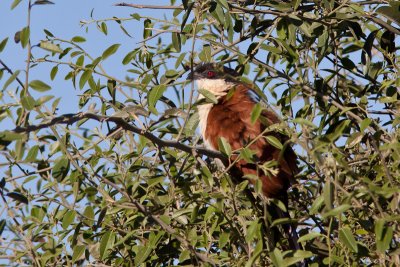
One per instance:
[(126, 182)]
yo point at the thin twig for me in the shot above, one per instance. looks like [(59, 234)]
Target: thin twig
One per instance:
[(148, 6), (11, 72)]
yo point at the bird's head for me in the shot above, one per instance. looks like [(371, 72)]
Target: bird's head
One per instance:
[(213, 77)]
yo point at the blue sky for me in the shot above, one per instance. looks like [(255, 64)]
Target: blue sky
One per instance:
[(63, 20)]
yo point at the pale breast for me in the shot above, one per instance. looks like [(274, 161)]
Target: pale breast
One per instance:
[(204, 110)]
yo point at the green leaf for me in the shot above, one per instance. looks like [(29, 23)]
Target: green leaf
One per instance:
[(10, 136), (85, 77), (103, 28), (176, 41), (3, 44), (336, 211), (129, 57), (50, 47), (78, 252), (256, 112), (391, 12), (43, 2), (180, 60), (276, 257), (191, 124), (60, 168), (48, 33), (253, 231), (224, 3), (147, 32), (28, 102), (2, 183), (347, 238), (208, 95), (39, 86), (18, 197), (299, 255), (364, 124), (256, 254), (68, 218), (12, 78), (15, 4), (53, 72), (101, 217), (89, 215), (383, 244), (110, 51), (80, 61), (24, 35), (145, 251), (272, 140), (186, 15), (205, 54), (317, 204), (78, 39), (379, 225), (143, 254), (2, 226), (43, 99), (124, 31), (154, 95), (247, 154), (224, 146), (106, 242), (32, 154), (309, 236), (305, 122)]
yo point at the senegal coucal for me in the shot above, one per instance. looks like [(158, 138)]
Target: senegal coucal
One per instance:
[(230, 118)]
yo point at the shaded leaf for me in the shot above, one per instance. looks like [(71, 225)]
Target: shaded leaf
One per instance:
[(77, 253), (18, 197), (60, 168), (24, 36), (368, 47), (154, 95), (256, 112), (106, 242), (224, 146), (3, 44), (346, 236), (272, 140), (208, 95)]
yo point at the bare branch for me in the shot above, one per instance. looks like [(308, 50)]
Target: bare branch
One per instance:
[(11, 72), (148, 6), (121, 122)]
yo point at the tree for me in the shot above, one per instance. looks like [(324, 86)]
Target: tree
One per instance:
[(127, 181)]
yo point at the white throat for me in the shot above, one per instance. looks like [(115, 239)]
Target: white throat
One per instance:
[(218, 87)]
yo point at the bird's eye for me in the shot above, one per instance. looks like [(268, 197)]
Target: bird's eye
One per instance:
[(210, 74)]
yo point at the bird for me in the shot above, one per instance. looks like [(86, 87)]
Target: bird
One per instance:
[(230, 118)]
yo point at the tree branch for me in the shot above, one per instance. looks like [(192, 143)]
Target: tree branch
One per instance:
[(11, 72), (121, 122), (148, 6)]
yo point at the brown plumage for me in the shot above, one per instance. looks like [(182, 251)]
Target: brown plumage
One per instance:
[(230, 118)]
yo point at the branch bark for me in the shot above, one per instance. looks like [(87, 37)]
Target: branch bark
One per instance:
[(148, 6), (121, 122)]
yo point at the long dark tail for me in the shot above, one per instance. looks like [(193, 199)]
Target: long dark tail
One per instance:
[(289, 229)]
